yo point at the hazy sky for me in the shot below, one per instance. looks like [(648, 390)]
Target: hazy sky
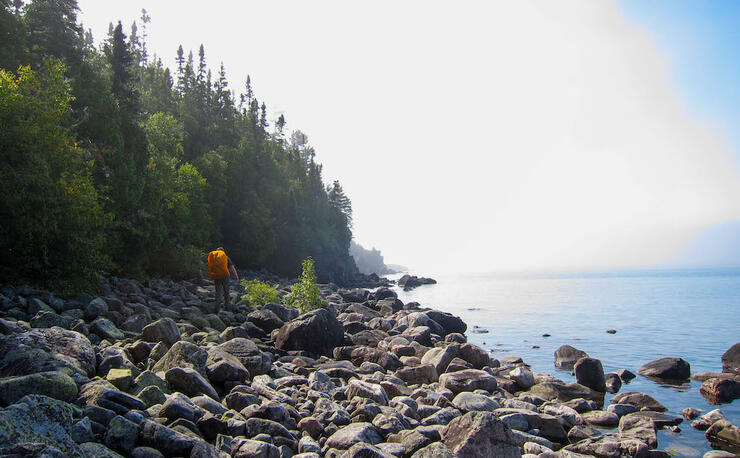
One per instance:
[(491, 135)]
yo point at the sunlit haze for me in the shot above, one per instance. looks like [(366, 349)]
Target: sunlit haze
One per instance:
[(475, 136)]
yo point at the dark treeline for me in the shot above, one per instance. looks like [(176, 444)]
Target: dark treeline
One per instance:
[(113, 164)]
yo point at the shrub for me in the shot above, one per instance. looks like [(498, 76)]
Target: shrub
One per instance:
[(259, 293), (306, 295)]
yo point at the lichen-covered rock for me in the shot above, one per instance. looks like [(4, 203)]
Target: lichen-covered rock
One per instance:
[(44, 350), (479, 435), (39, 419), (57, 385)]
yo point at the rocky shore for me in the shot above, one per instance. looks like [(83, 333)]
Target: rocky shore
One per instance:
[(152, 369)]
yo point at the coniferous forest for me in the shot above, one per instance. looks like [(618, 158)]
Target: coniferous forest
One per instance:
[(113, 164)]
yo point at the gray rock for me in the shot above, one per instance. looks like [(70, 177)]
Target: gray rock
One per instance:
[(164, 439), (590, 373), (440, 357), (621, 410), (121, 435), (468, 380), (633, 426), (246, 448), (434, 450), (724, 435), (720, 390), (265, 320), (666, 368), (353, 433), (163, 330), (731, 359), (610, 447), (565, 392), (363, 450), (183, 354), (57, 385), (82, 432), (418, 375), (566, 357), (105, 329), (44, 350), (189, 382), (640, 400), (708, 419), (316, 332), (177, 406), (222, 367), (95, 308), (468, 402), (367, 390), (246, 351), (50, 319), (601, 418), (613, 382), (39, 419), (478, 435), (95, 450), (523, 377)]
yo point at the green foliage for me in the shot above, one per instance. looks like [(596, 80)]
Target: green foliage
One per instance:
[(109, 156), (259, 293), (306, 295), (49, 214)]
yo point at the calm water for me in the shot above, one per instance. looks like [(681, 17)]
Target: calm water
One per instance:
[(694, 315)]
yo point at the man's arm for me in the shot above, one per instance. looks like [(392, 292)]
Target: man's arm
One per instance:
[(233, 272)]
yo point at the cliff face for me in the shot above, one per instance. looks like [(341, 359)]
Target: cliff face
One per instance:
[(368, 261)]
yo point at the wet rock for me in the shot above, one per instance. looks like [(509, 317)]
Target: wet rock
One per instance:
[(690, 413), (45, 350), (724, 435), (590, 373), (316, 332), (567, 356), (479, 434), (613, 382), (640, 400), (189, 382), (731, 359), (468, 380), (666, 368), (610, 447), (184, 355), (163, 330), (39, 419), (720, 391), (625, 375), (57, 385), (633, 426), (708, 419), (621, 410), (353, 433)]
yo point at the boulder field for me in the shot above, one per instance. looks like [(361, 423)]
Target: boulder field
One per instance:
[(153, 369)]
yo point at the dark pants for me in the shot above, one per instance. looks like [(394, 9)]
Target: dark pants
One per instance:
[(222, 293)]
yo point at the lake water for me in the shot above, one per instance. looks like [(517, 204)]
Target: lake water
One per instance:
[(694, 315)]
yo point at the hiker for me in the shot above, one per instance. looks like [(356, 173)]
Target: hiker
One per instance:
[(221, 268)]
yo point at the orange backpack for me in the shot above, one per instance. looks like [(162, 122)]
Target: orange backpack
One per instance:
[(218, 265)]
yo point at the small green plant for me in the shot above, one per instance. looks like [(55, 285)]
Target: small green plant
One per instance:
[(259, 293), (306, 295)]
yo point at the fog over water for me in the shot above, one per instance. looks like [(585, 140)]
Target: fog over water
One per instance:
[(476, 135)]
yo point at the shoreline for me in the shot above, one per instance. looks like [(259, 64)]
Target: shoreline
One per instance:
[(152, 366)]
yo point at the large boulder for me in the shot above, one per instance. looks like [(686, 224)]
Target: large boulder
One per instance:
[(183, 354), (188, 381), (57, 385), (450, 323), (567, 356), (440, 357), (39, 419), (222, 367), (106, 329), (720, 390), (468, 380), (724, 435), (610, 447), (367, 390), (590, 373), (634, 426), (479, 435), (316, 332), (44, 350), (418, 375), (163, 330), (731, 359), (667, 369), (247, 352)]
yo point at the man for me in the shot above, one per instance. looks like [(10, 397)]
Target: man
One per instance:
[(220, 267)]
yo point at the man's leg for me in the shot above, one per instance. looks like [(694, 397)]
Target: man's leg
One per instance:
[(226, 292), (219, 293)]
